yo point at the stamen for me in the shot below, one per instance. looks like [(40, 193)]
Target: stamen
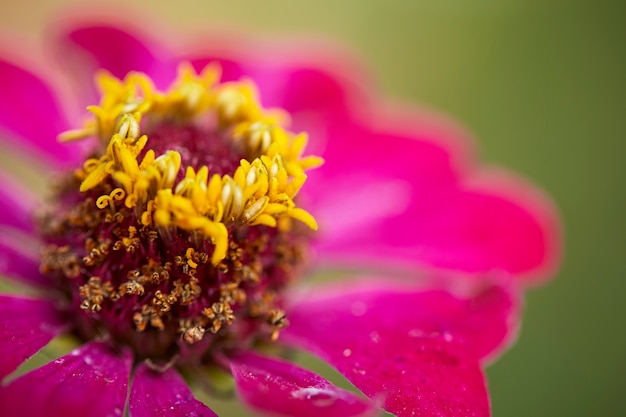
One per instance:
[(185, 220)]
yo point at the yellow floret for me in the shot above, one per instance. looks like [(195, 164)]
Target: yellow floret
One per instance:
[(262, 189)]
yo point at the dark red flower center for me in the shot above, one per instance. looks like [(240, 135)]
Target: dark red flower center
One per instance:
[(152, 253)]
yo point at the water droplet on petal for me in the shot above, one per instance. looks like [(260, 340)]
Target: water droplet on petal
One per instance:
[(375, 337), (347, 352), (416, 333), (358, 308), (319, 397)]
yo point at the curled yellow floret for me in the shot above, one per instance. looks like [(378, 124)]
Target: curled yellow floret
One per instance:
[(261, 190)]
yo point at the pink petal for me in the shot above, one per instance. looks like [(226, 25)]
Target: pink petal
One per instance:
[(20, 258), (416, 350), (417, 145), (90, 381), (232, 70), (378, 172), (16, 204), (476, 229), (119, 51), (376, 176), (481, 318), (163, 394), (30, 110), (534, 245), (26, 325), (283, 389), (320, 86), (413, 198)]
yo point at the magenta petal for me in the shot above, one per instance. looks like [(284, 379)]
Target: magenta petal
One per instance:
[(164, 394), (415, 350), (30, 111), (283, 389), (19, 258), (492, 223), (520, 231), (409, 192), (90, 381), (120, 51), (374, 183), (16, 204), (484, 225), (231, 69), (320, 101), (481, 323), (431, 153), (26, 325), (380, 173)]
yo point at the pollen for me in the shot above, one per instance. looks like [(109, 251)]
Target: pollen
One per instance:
[(260, 191), (185, 219)]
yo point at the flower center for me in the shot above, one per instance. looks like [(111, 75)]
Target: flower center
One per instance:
[(178, 235)]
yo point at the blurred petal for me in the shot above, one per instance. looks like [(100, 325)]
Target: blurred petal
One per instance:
[(231, 69), (163, 394), (20, 258), (376, 176), (30, 111), (119, 51), (320, 91), (414, 145), (90, 381), (413, 198), (379, 172), (16, 204), (474, 229), (26, 325), (283, 389), (431, 342), (531, 242)]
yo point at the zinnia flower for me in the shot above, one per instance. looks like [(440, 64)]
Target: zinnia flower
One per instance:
[(173, 234)]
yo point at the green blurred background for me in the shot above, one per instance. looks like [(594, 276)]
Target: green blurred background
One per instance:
[(541, 85)]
